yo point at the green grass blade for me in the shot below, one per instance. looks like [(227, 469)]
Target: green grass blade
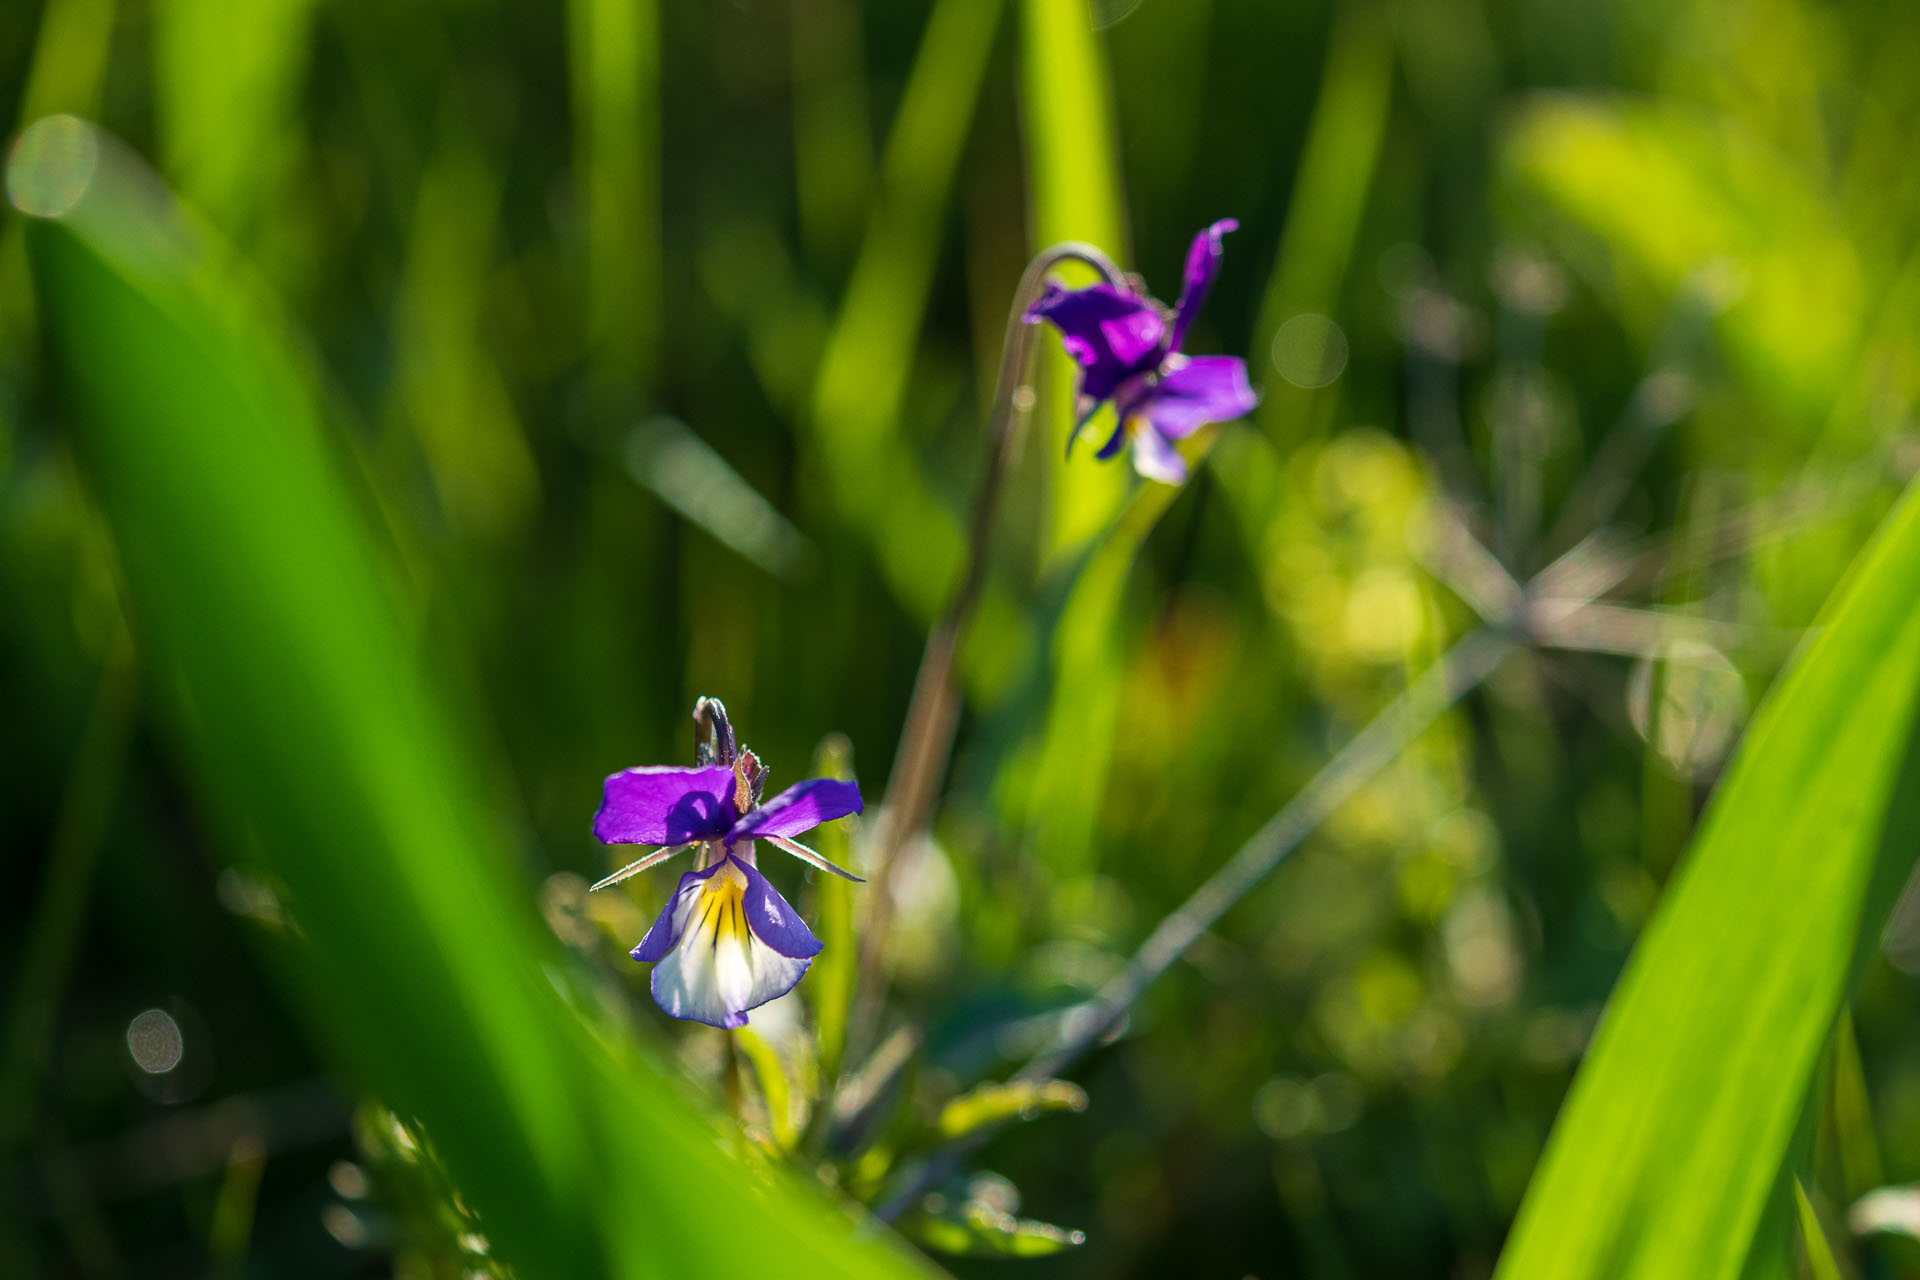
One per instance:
[(1681, 1120), (1074, 186), (227, 81), (875, 481), (447, 385), (832, 137), (319, 742), (614, 62), (833, 975), (1819, 1253), (1323, 221)]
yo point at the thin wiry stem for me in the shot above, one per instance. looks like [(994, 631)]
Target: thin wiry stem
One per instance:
[(1391, 732), (1409, 715), (926, 738)]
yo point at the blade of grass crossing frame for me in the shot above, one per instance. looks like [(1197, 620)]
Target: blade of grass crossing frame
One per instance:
[(319, 742), (1704, 1063)]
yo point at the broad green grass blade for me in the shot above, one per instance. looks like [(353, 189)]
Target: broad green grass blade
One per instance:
[(1678, 1126), (323, 750)]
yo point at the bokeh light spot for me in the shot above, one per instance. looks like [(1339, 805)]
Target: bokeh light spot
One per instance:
[(154, 1040), (53, 162), (1310, 350)]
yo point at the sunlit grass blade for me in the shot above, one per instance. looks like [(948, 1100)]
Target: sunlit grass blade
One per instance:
[(614, 64), (873, 476), (1676, 1132), (1083, 708), (227, 81), (322, 748), (1073, 186)]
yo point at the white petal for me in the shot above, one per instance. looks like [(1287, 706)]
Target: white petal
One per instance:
[(773, 974), (719, 970)]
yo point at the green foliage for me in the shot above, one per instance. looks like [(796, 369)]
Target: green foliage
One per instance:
[(656, 339), (1019, 1099), (1708, 1051), (369, 823), (1813, 1237), (978, 1221)]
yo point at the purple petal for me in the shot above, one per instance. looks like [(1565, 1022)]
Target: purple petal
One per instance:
[(773, 921), (801, 807), (1203, 266), (662, 805), (1200, 390), (673, 917), (1155, 457), (1112, 333)]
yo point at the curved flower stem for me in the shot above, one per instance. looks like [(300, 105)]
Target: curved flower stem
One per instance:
[(926, 738), (1459, 670)]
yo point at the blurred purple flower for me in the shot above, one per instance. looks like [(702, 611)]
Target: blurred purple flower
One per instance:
[(726, 942), (1128, 348)]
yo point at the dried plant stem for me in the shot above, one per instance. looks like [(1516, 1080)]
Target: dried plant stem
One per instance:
[(926, 738), (1460, 670)]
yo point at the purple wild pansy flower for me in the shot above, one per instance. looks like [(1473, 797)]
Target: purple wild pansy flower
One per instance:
[(1128, 348), (726, 942)]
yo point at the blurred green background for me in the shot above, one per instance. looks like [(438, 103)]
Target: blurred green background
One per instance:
[(522, 372)]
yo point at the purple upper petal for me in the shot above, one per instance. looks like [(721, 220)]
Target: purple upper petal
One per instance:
[(1111, 332), (1203, 265), (772, 920), (667, 928), (660, 805), (801, 807), (1198, 391)]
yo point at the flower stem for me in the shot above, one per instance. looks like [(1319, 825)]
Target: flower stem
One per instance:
[(926, 738)]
